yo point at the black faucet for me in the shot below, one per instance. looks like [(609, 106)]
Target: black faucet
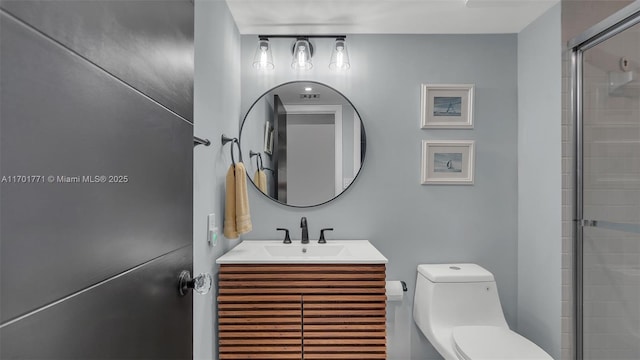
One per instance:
[(305, 230), (322, 240), (287, 239)]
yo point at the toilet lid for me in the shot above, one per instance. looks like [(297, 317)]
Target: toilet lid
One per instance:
[(493, 342)]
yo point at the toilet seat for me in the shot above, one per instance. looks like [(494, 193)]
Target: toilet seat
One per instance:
[(493, 343)]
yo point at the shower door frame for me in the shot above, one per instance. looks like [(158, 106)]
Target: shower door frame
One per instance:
[(620, 21)]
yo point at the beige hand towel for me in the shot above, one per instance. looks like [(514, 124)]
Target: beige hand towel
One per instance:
[(243, 217), (230, 229), (260, 179), (237, 220)]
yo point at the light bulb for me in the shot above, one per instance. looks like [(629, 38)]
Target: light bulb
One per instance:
[(263, 58), (301, 57)]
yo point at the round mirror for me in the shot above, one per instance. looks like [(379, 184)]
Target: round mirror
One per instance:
[(303, 143)]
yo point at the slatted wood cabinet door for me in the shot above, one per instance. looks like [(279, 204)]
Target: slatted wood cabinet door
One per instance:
[(283, 311)]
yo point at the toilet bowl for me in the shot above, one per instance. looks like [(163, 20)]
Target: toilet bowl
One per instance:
[(456, 306)]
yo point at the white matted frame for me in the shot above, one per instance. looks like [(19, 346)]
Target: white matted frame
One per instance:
[(448, 162), (446, 106)]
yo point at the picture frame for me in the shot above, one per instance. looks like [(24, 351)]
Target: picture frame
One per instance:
[(448, 162), (268, 138), (447, 106)]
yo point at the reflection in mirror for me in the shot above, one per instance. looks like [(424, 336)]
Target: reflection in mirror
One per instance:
[(308, 143)]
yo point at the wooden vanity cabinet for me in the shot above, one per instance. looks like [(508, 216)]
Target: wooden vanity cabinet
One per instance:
[(278, 311)]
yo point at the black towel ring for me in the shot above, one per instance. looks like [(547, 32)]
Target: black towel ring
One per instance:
[(225, 140), (259, 163)]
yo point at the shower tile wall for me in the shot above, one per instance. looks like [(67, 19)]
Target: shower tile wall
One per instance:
[(611, 184)]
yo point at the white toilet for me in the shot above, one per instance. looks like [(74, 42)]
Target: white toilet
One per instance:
[(458, 309)]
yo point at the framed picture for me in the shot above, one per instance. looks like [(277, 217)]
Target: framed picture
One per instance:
[(448, 162), (447, 106), (268, 138)]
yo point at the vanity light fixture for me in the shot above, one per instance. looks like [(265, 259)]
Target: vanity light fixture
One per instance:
[(302, 52), (263, 58)]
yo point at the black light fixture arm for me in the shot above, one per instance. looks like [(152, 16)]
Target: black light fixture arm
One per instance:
[(302, 37), (265, 37)]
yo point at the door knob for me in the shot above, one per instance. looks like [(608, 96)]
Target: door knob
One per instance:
[(201, 283)]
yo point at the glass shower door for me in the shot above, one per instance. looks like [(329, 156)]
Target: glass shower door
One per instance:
[(611, 198)]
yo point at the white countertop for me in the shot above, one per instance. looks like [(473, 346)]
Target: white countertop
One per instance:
[(276, 252)]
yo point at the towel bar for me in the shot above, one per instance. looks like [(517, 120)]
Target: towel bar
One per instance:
[(199, 141)]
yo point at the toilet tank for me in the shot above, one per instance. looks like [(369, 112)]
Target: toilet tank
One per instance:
[(450, 295)]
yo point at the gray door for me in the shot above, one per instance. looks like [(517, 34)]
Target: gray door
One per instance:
[(95, 179), (311, 158)]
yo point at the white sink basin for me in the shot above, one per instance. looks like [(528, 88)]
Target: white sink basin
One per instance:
[(276, 252), (304, 250)]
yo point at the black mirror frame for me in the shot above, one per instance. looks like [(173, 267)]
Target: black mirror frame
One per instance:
[(364, 142)]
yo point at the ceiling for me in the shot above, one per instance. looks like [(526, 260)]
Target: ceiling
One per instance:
[(312, 17)]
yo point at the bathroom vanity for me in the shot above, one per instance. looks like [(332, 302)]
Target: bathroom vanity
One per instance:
[(294, 301)]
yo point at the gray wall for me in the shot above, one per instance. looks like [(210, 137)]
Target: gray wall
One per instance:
[(408, 222), (539, 181), (216, 111)]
